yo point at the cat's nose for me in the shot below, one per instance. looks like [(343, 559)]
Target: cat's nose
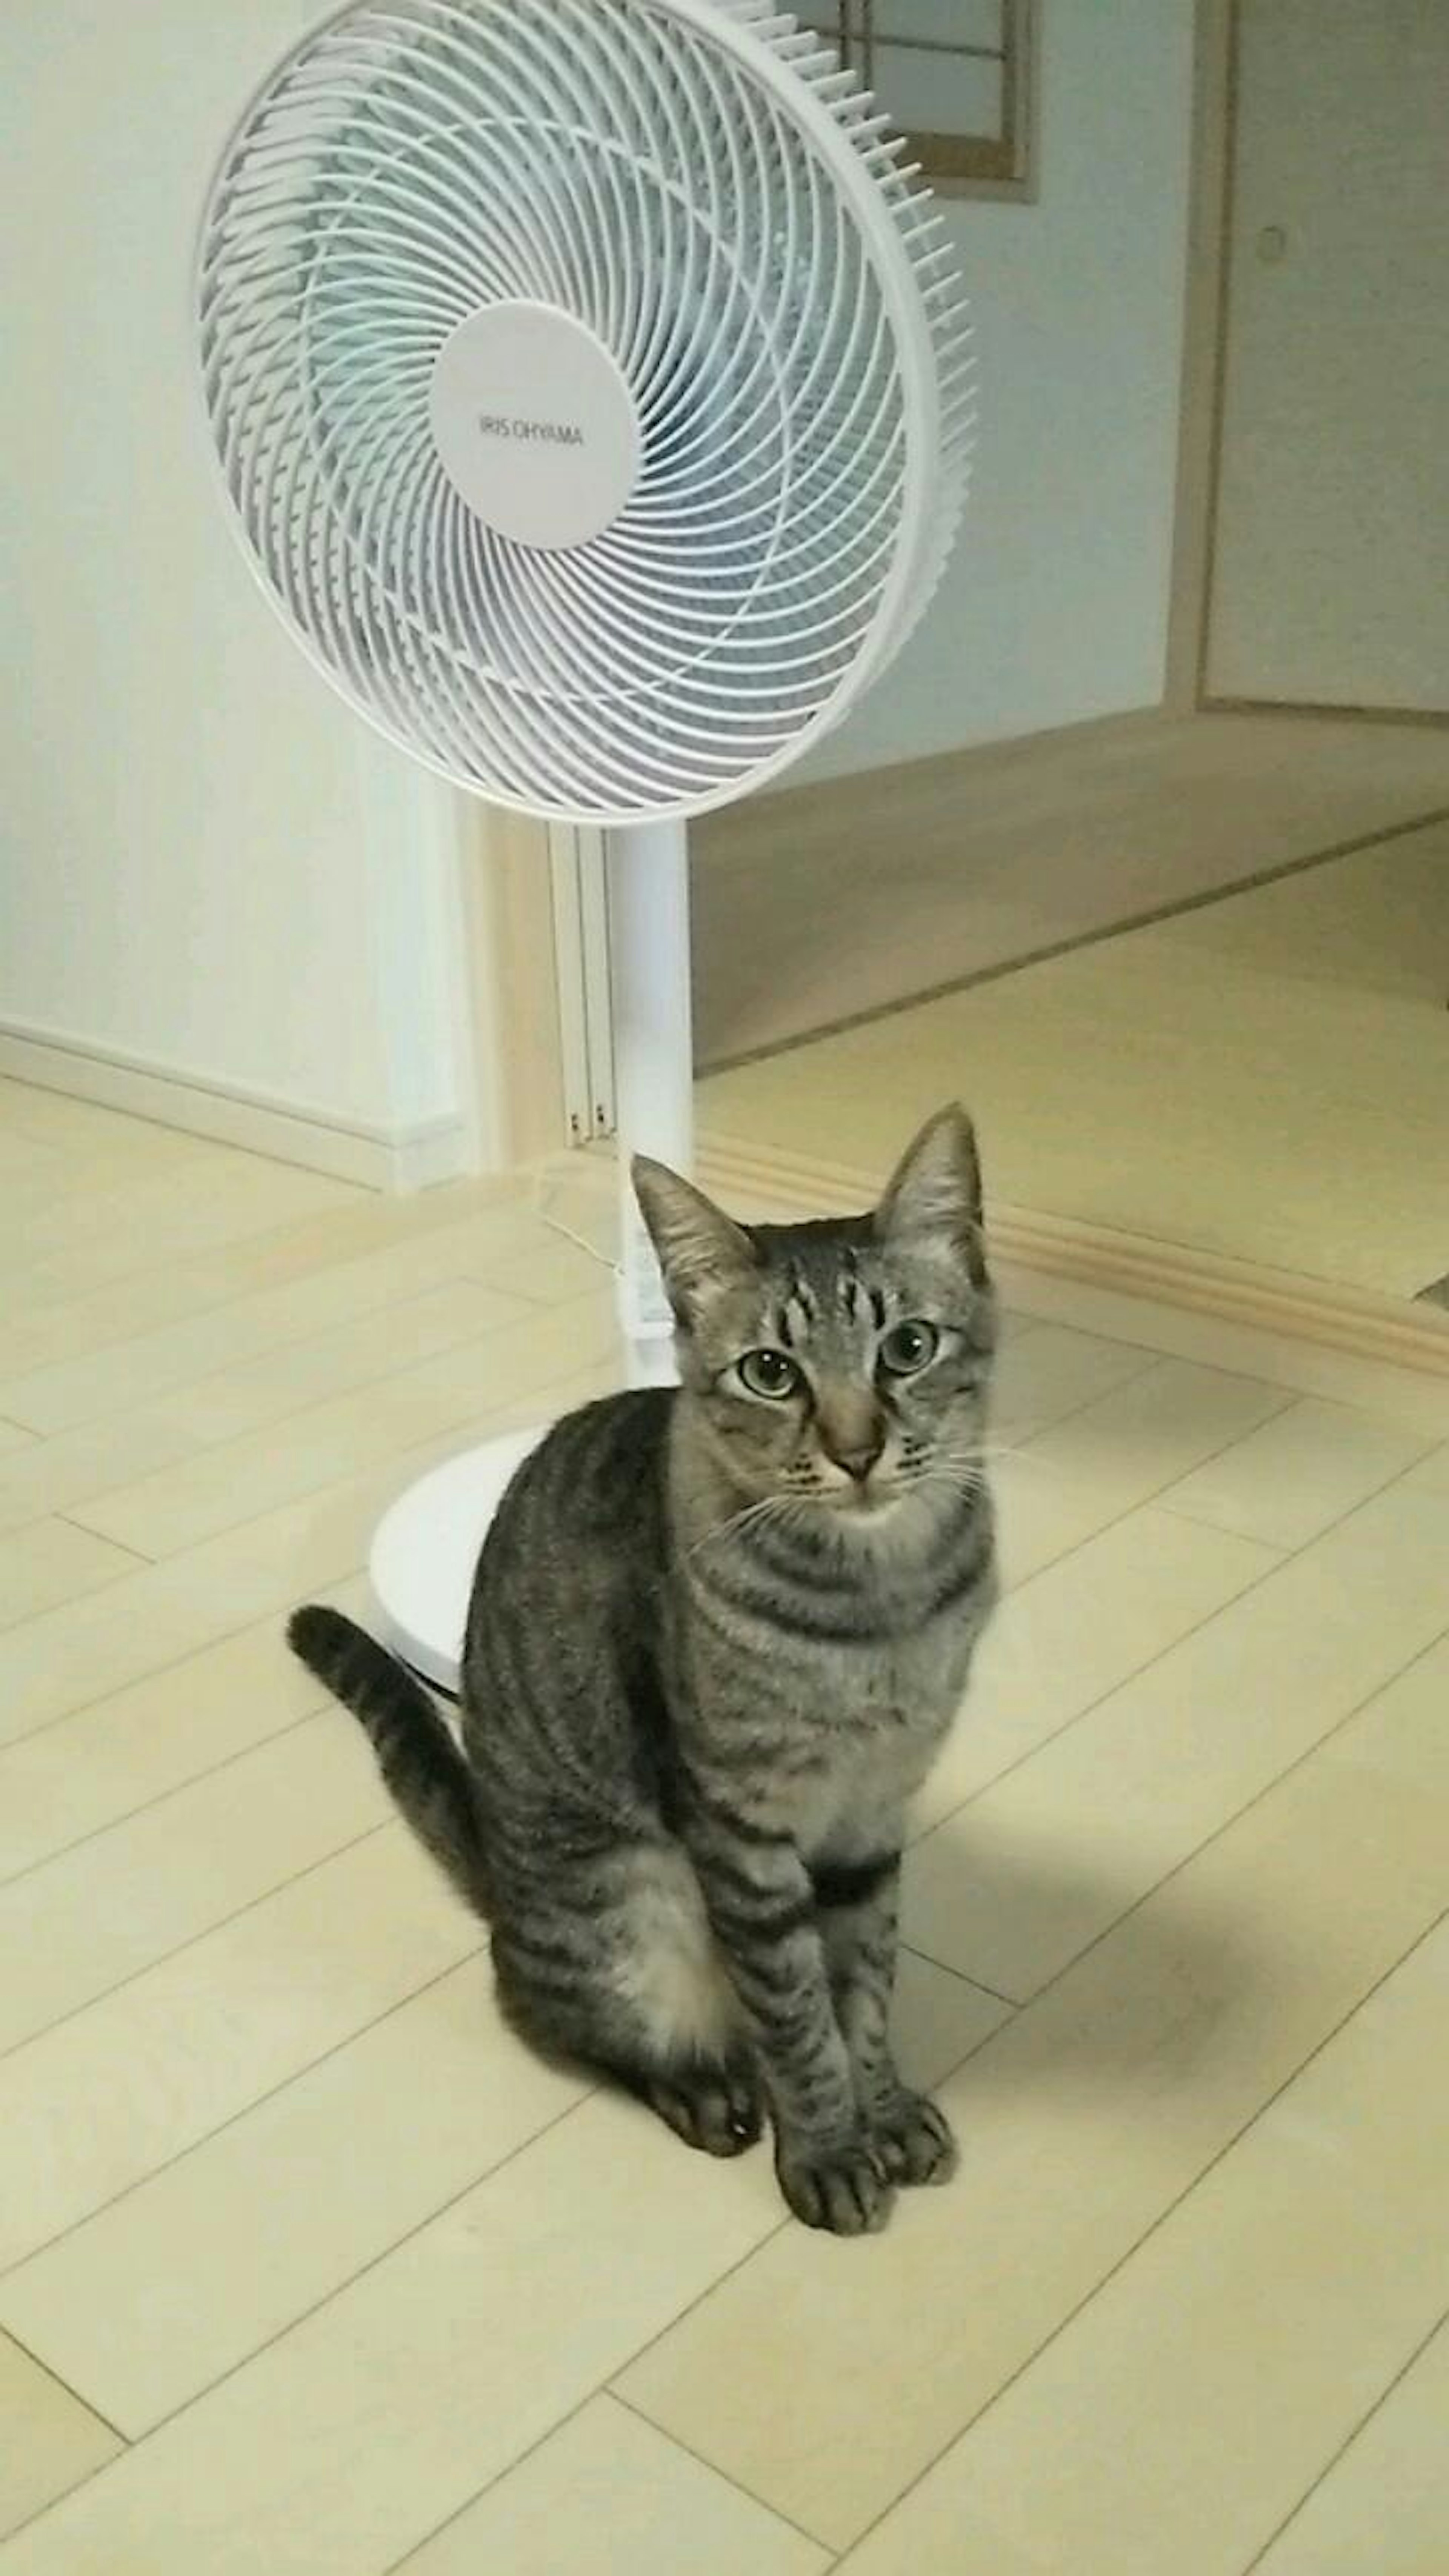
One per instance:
[(859, 1462)]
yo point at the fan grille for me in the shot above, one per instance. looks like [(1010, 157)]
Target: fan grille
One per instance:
[(700, 188)]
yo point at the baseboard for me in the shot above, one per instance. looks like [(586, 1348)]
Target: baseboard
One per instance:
[(395, 1160), (1211, 705), (1288, 1328)]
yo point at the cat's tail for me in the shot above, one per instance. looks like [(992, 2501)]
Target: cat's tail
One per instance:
[(418, 1759)]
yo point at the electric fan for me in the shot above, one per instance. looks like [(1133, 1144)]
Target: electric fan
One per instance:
[(590, 385)]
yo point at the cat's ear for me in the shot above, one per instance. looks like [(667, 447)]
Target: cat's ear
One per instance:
[(700, 1248), (935, 1193)]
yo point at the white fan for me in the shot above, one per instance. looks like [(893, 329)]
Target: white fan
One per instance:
[(591, 386)]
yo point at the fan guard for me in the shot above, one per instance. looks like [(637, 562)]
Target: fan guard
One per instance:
[(726, 459)]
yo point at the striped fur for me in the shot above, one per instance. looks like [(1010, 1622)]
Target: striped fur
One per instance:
[(416, 1755), (715, 1641)]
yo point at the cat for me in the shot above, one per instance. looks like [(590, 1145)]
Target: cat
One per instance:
[(717, 1636)]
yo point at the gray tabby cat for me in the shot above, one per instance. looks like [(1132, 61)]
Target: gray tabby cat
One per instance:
[(716, 1638)]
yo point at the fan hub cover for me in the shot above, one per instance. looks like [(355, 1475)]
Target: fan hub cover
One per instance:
[(535, 424)]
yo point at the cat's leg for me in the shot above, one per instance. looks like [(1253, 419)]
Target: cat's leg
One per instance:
[(688, 2048), (761, 1905), (615, 1967), (859, 1901)]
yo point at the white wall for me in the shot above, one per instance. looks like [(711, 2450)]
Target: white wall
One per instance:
[(209, 866), (1054, 608)]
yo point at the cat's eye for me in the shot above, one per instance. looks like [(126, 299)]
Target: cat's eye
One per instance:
[(909, 1348), (772, 1374)]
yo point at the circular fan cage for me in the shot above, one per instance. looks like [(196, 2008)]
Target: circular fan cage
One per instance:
[(700, 187)]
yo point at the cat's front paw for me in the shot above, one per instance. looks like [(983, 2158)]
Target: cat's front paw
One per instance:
[(718, 2109), (913, 2140), (843, 2189)]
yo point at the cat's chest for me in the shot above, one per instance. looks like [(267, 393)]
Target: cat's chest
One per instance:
[(875, 1724), (882, 1714), (835, 1726), (851, 1797), (909, 1682)]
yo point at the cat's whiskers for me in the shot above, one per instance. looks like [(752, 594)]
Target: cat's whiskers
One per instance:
[(750, 1516), (960, 1454), (957, 1471)]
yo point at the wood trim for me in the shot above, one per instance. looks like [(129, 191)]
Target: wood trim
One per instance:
[(959, 160), (1313, 707), (512, 983), (1203, 356), (1274, 1307), (1005, 166), (961, 165)]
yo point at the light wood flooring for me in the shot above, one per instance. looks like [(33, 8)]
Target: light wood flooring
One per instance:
[(821, 903), (306, 2265), (1266, 1078)]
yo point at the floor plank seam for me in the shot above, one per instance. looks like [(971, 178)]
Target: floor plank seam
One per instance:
[(1122, 1682), (1382, 836), (71, 1520), (384, 2254), (46, 1303), (1017, 1444), (602, 2387), (115, 1414), (42, 1295), (780, 2227), (777, 2511), (1225, 1826), (963, 1978), (70, 2389), (78, 2486), (195, 2145), (1140, 1502), (162, 1397), (1373, 1494), (397, 2566), (173, 1663), (385, 1825), (423, 1453), (1346, 2445), (16, 1416), (414, 1459), (162, 1798), (1287, 1557), (1148, 2232)]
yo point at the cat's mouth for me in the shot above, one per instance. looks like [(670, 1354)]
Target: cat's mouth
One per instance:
[(856, 1502), (861, 1504)]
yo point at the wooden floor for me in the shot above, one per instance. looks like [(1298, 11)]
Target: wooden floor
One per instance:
[(820, 904), (1266, 1078), (305, 2265)]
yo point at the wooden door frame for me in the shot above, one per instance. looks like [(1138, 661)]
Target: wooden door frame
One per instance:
[(535, 985), (1204, 350), (511, 983)]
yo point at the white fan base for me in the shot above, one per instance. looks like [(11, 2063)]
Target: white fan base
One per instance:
[(426, 1550)]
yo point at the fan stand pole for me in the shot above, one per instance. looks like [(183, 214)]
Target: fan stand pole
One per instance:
[(649, 968)]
